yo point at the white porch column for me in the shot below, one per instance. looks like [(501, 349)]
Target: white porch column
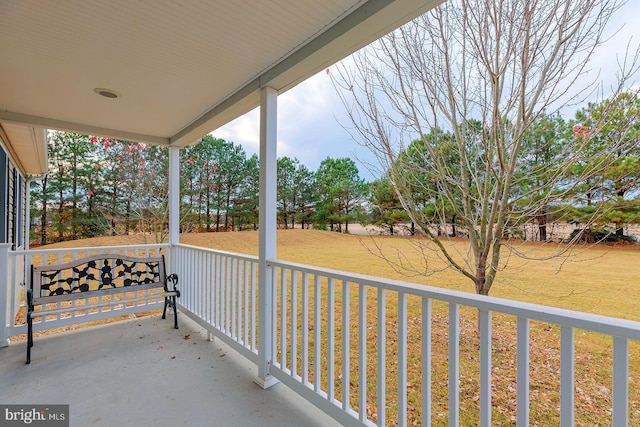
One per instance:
[(5, 293), (267, 235), (174, 200)]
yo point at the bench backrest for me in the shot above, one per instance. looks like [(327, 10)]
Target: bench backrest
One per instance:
[(105, 273)]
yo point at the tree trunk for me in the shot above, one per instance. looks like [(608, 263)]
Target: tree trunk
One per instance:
[(43, 225), (619, 225), (208, 210), (226, 215), (74, 202), (127, 216), (43, 220), (482, 287), (60, 216), (454, 232), (542, 225)]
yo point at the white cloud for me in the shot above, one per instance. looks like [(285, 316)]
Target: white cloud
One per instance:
[(310, 116), (621, 34), (245, 130), (308, 127)]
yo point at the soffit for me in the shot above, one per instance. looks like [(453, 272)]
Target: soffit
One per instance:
[(30, 154), (182, 68)]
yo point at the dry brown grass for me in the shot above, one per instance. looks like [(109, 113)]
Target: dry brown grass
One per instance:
[(600, 280)]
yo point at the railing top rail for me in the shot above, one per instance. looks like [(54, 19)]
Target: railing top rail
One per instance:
[(218, 252), (90, 249), (576, 319)]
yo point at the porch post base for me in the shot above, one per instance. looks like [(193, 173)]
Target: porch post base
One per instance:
[(265, 383), (6, 299)]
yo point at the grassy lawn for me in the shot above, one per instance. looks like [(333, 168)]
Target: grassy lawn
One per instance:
[(600, 280)]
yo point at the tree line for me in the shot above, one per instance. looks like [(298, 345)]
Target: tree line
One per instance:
[(599, 189), (103, 186)]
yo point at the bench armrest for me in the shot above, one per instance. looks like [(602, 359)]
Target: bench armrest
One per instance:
[(173, 280)]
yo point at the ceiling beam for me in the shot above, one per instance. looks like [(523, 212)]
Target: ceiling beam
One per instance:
[(62, 125)]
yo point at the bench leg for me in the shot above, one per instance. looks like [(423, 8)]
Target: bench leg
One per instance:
[(29, 337), (166, 303), (171, 302), (175, 312)]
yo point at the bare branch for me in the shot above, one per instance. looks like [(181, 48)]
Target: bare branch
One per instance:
[(446, 103)]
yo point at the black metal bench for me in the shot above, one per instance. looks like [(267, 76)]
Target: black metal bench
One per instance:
[(125, 279)]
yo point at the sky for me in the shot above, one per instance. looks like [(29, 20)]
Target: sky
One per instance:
[(311, 118)]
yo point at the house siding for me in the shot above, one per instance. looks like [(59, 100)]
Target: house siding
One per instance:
[(12, 199)]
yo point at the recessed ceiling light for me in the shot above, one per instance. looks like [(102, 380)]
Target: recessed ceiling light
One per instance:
[(107, 93)]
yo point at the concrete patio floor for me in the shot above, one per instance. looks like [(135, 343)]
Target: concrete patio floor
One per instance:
[(142, 372)]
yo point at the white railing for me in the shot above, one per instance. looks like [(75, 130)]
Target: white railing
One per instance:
[(418, 340), (407, 343), (371, 351), (18, 266), (219, 291)]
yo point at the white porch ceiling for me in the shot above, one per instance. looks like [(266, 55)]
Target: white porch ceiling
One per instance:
[(182, 68)]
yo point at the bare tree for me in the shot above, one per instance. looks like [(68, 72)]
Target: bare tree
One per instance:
[(483, 71)]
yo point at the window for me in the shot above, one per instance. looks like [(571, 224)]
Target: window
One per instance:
[(4, 187)]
